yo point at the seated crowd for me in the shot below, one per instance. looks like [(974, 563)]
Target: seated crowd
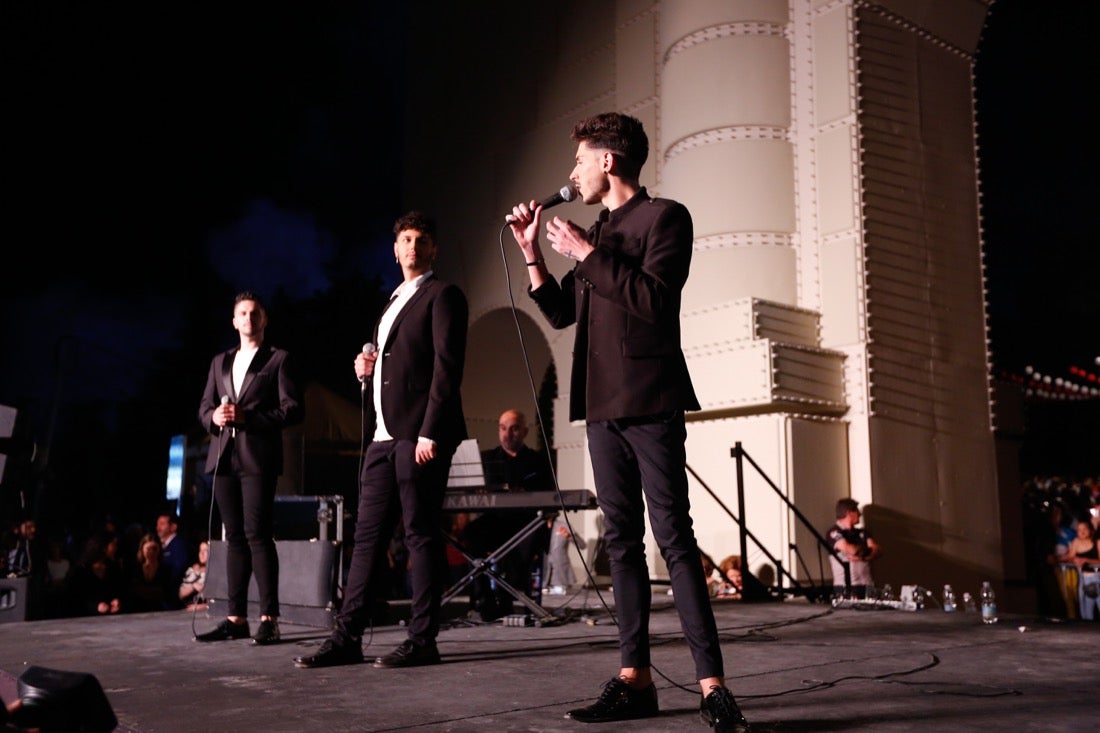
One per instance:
[(142, 569), (104, 571), (1062, 524)]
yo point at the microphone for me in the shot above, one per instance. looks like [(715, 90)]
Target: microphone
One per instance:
[(565, 194), (368, 349), (232, 430)]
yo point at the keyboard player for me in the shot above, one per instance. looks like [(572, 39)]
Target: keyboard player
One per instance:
[(513, 466)]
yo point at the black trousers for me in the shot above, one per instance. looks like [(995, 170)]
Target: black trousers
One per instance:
[(647, 455), (247, 506), (392, 488)]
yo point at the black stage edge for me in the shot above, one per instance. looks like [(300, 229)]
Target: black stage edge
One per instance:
[(794, 666)]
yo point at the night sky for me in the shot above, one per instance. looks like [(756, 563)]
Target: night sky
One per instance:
[(160, 159)]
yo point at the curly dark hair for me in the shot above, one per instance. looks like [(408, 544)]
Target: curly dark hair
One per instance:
[(843, 506), (249, 295), (417, 220), (621, 134)]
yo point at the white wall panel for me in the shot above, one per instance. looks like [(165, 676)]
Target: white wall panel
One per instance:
[(727, 81), (681, 18), (759, 270), (741, 185), (836, 181), (841, 292)]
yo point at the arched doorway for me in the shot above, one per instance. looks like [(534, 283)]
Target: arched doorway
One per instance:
[(508, 367)]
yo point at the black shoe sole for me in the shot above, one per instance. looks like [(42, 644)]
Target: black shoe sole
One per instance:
[(378, 664), (610, 719), (308, 665), (220, 638), (382, 663)]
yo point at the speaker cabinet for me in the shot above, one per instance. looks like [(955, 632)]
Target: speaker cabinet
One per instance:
[(308, 575), (56, 701), (13, 599)]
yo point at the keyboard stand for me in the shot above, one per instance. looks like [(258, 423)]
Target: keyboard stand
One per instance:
[(484, 566)]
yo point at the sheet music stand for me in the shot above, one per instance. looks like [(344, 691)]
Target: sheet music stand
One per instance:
[(466, 469)]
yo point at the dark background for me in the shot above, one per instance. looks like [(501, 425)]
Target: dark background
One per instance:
[(159, 160)]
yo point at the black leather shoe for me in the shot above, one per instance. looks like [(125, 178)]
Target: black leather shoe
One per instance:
[(619, 701), (268, 633), (410, 654), (225, 631), (720, 712), (332, 654)]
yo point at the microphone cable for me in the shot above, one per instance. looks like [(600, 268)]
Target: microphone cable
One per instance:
[(210, 530), (363, 397), (542, 426)]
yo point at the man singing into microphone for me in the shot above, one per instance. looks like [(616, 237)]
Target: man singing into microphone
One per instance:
[(250, 397), (631, 385), (415, 420)]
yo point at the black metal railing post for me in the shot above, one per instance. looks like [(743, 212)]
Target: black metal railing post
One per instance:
[(737, 454), (757, 591)]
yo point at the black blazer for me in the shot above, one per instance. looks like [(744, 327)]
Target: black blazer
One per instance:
[(270, 400), (423, 359), (625, 300)]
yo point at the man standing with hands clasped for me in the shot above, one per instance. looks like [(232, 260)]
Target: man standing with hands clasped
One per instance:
[(415, 420), (250, 396), (631, 385)]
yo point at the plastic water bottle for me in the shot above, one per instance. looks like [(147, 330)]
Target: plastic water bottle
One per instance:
[(968, 602), (989, 604), (535, 590), (948, 598)]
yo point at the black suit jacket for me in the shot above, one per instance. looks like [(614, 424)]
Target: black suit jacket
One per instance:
[(422, 364), (625, 300), (270, 400)]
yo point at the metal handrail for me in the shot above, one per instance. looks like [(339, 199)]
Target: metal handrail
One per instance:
[(758, 591)]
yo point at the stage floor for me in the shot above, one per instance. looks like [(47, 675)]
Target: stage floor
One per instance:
[(793, 666)]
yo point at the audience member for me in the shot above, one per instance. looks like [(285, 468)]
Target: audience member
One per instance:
[(126, 551), (1063, 525), (27, 559), (194, 579), (855, 546), (13, 718), (1083, 548), (150, 586), (95, 585), (57, 571), (559, 573), (22, 548), (57, 563), (1049, 507), (710, 572), (730, 583), (457, 564), (1081, 561), (1060, 534), (175, 552)]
